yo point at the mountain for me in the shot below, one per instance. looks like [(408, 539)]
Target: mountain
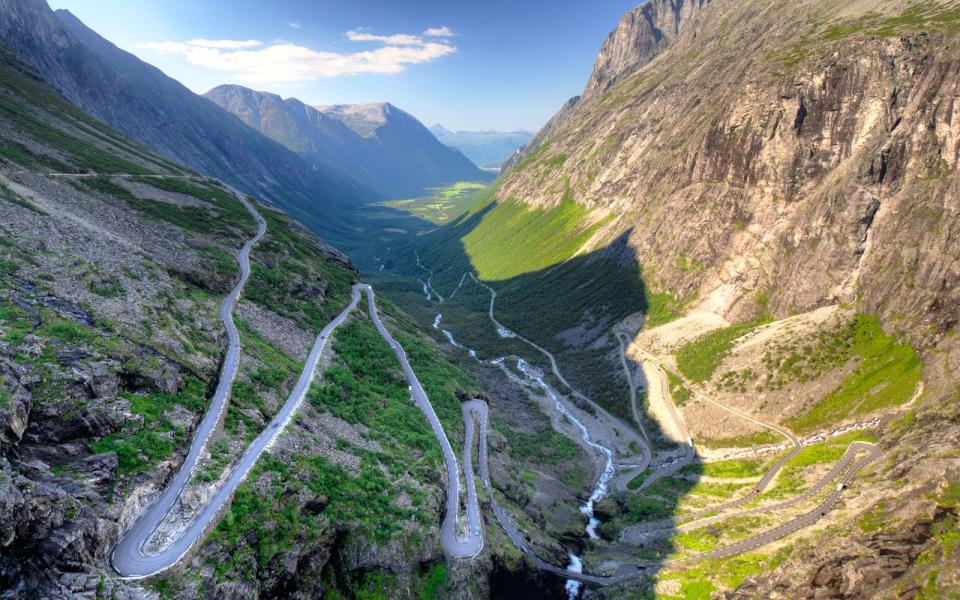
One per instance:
[(488, 149), (155, 110), (377, 145), (740, 186), (642, 33), (114, 264), (439, 131)]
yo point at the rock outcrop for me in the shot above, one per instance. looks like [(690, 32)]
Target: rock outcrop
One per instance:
[(788, 168)]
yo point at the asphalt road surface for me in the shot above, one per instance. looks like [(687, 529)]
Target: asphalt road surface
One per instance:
[(128, 558), (472, 543)]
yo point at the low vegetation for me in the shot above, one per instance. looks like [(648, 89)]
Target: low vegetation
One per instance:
[(151, 438), (699, 359), (679, 392), (443, 204), (760, 438), (547, 446), (793, 479), (731, 468), (540, 238), (885, 374), (365, 387), (293, 276)]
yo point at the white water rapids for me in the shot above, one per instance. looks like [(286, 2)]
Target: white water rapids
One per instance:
[(450, 338), (601, 489), (535, 379)]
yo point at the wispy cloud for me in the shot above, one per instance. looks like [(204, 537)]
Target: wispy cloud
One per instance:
[(252, 61), (438, 32), (399, 39), (295, 24)]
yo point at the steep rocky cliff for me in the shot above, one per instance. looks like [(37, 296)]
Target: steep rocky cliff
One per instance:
[(769, 159), (801, 154), (643, 32)]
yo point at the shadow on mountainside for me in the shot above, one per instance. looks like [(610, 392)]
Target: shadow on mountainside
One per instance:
[(569, 308)]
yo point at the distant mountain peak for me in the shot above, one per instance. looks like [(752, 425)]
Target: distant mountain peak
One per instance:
[(365, 118), (440, 131), (376, 144)]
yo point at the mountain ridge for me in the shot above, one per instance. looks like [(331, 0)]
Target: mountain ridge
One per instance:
[(487, 148), (377, 144), (155, 110)]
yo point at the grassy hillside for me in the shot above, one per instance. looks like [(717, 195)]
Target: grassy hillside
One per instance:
[(111, 284)]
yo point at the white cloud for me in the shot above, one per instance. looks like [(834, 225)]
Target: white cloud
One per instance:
[(250, 60), (225, 44), (399, 39), (295, 24), (438, 32)]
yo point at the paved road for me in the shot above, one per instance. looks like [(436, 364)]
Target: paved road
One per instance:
[(629, 570), (633, 387), (689, 452), (477, 410), (472, 543), (628, 433), (708, 516), (128, 558)]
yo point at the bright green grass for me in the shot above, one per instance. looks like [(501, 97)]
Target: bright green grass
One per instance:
[(638, 480), (156, 437), (442, 204), (434, 582), (759, 438), (792, 478), (699, 359), (662, 308), (679, 393), (698, 580), (545, 446), (513, 238), (731, 468), (281, 261), (886, 374)]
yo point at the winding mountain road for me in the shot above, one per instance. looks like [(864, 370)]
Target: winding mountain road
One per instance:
[(841, 472), (130, 559), (472, 543)]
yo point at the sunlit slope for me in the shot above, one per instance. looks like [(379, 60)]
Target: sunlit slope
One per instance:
[(506, 239)]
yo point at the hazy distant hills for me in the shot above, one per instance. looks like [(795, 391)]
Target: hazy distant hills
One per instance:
[(488, 148), (378, 145)]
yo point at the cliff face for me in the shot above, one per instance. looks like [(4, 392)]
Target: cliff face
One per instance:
[(643, 32), (788, 156), (773, 158)]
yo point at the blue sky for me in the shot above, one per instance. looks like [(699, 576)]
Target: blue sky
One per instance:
[(468, 65)]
